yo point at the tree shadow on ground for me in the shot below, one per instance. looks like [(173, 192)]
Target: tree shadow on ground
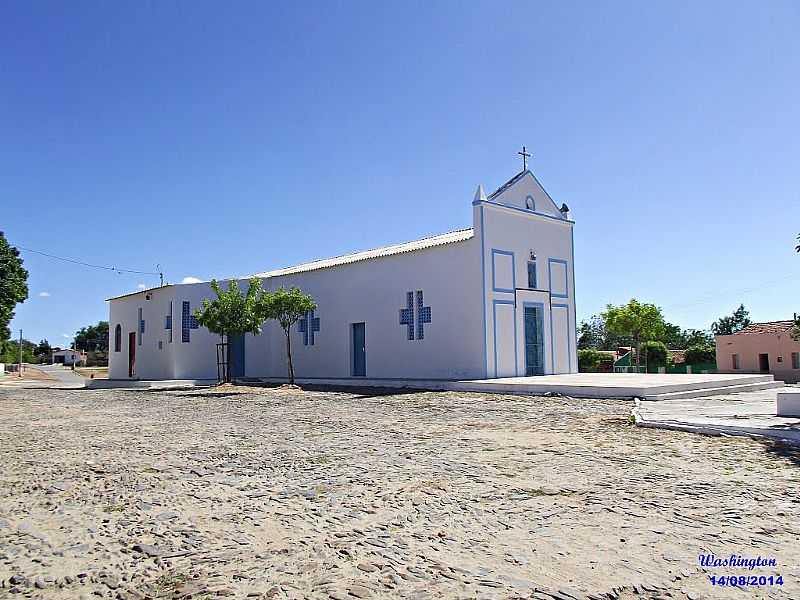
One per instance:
[(783, 450)]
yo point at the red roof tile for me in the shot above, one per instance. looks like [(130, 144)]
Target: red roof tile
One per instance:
[(773, 327)]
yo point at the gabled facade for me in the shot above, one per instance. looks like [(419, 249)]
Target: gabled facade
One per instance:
[(493, 300)]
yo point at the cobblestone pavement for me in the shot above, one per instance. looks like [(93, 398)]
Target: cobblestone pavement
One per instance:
[(272, 493)]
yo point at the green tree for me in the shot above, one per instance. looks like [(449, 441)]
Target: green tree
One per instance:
[(10, 354), (13, 285), (654, 354), (93, 338), (287, 307), (701, 353), (591, 333), (637, 320), (43, 351), (588, 360), (231, 313), (674, 336), (732, 324)]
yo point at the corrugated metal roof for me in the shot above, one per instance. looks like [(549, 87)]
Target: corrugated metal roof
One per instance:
[(451, 237), (460, 235), (144, 291)]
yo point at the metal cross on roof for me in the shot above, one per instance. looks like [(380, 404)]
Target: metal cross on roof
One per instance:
[(525, 156)]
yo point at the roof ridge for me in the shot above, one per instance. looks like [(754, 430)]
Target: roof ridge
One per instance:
[(341, 258)]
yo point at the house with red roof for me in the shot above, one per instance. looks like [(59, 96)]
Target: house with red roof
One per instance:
[(761, 348)]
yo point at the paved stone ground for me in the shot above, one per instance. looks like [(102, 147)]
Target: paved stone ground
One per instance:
[(283, 494)]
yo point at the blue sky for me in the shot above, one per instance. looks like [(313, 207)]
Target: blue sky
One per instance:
[(220, 139)]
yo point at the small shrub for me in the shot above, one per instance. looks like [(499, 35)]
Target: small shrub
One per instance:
[(654, 355), (700, 354), (589, 359)]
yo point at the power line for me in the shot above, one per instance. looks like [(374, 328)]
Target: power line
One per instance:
[(85, 264)]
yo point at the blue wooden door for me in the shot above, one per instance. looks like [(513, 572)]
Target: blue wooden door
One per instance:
[(359, 350), (236, 357), (534, 345)]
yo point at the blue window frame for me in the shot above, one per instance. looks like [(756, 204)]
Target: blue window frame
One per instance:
[(532, 275)]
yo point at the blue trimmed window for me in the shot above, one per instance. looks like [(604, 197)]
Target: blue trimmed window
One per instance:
[(188, 322), (307, 326), (415, 315), (532, 275), (140, 329)]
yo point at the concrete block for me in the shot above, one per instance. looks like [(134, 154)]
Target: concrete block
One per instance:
[(789, 404)]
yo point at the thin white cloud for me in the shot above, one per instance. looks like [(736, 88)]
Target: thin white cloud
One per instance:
[(44, 294), (141, 286), (66, 335), (191, 280)]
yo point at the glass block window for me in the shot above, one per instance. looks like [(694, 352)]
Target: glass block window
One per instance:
[(188, 322), (140, 329), (118, 338), (796, 360), (307, 326), (735, 361), (415, 315), (532, 275)]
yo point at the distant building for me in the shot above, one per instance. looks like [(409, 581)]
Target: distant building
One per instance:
[(761, 348), (68, 357)]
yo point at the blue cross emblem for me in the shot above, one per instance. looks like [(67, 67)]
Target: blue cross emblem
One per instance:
[(423, 315), (188, 322), (308, 332)]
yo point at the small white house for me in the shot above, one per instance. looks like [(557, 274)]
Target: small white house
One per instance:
[(67, 357), (496, 299)]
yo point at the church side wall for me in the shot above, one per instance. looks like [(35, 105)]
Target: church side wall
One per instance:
[(374, 292)]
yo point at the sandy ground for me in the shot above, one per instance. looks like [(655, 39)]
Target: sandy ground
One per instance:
[(286, 494)]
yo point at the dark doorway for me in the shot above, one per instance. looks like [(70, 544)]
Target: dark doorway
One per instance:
[(534, 346), (131, 353), (763, 363), (359, 350)]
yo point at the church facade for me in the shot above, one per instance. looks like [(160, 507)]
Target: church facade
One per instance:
[(493, 300)]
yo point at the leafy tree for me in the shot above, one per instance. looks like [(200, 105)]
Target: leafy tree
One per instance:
[(10, 354), (231, 313), (732, 324), (591, 333), (287, 307), (655, 354), (589, 359), (43, 351), (700, 354), (796, 329), (13, 285), (698, 337), (93, 338), (640, 321), (674, 336)]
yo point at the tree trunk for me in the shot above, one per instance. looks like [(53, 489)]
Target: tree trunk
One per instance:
[(226, 366), (636, 341), (289, 357)]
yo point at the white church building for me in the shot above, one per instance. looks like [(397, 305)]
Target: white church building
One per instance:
[(494, 300)]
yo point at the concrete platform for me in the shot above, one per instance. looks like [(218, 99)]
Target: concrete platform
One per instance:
[(579, 385), (750, 414)]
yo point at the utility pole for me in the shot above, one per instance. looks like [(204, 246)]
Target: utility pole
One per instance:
[(20, 353)]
